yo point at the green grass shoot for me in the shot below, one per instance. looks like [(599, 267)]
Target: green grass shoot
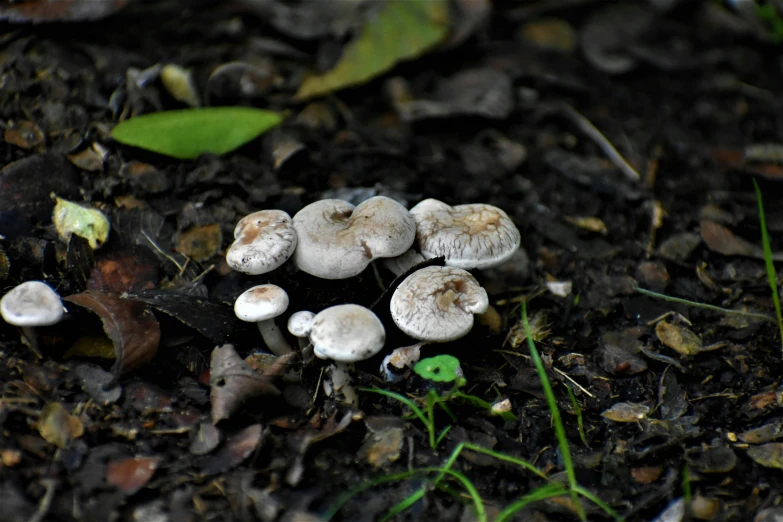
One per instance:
[(771, 275)]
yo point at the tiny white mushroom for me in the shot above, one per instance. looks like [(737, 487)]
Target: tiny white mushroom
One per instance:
[(264, 240), (31, 304), (436, 304), (261, 304), (468, 236), (300, 324), (338, 240), (346, 334)]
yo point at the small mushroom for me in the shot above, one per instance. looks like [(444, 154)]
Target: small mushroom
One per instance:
[(261, 304), (264, 240), (346, 334), (31, 304), (468, 236), (338, 240), (435, 305), (300, 324)]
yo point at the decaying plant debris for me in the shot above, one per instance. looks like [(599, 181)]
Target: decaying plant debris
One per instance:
[(621, 139)]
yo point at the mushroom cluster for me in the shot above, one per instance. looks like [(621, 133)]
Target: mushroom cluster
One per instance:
[(333, 239)]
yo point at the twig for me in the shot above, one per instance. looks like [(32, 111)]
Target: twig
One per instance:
[(594, 134), (706, 306)]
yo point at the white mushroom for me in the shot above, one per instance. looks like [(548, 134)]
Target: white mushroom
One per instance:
[(468, 236), (300, 324), (346, 334), (435, 304), (31, 304), (263, 241), (338, 240), (261, 304)]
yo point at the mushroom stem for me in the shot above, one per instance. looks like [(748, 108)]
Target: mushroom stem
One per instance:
[(273, 337), (31, 338), (341, 382)]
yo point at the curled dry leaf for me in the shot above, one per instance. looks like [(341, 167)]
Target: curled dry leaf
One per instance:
[(723, 241), (206, 438), (626, 412), (236, 449), (130, 475), (57, 426), (133, 329), (232, 381)]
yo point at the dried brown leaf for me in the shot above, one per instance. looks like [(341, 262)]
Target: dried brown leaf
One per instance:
[(626, 412), (129, 475), (722, 240), (236, 449), (232, 381), (124, 271), (769, 455), (678, 338), (133, 328), (57, 426)]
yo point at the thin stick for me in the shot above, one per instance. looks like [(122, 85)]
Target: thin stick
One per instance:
[(594, 134)]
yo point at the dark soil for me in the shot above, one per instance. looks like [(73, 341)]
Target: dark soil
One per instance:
[(698, 94)]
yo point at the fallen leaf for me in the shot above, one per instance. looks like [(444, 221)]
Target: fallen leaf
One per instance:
[(769, 455), (206, 438), (379, 46), (133, 328), (232, 381), (626, 412), (236, 449), (200, 243), (38, 11), (124, 271), (179, 82), (723, 241), (71, 218), (57, 426), (129, 475), (189, 133), (678, 338), (24, 134), (214, 320)]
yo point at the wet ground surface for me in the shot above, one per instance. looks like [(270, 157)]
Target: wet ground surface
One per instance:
[(622, 170)]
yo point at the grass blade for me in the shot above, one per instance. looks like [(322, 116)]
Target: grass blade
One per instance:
[(345, 497), (544, 492), (771, 276), (598, 502), (579, 420), (705, 306), (562, 439), (404, 504)]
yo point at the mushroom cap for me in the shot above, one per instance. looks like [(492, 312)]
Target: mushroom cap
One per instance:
[(338, 240), (261, 303), (264, 240), (347, 333), (300, 323), (32, 303), (468, 236), (437, 303)]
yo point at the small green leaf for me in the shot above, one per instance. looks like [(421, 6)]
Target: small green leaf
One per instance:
[(188, 133), (400, 31), (441, 368)]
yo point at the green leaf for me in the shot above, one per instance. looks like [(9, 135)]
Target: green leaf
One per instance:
[(188, 133), (441, 368), (400, 31)]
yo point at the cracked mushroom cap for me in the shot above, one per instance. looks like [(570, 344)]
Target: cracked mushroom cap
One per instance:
[(468, 236), (437, 303), (261, 303), (31, 304), (347, 333), (338, 240), (264, 240)]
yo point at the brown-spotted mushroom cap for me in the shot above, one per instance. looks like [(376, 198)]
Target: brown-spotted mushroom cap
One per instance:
[(347, 333), (30, 304), (261, 304), (468, 236), (437, 303), (264, 240), (338, 240)]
